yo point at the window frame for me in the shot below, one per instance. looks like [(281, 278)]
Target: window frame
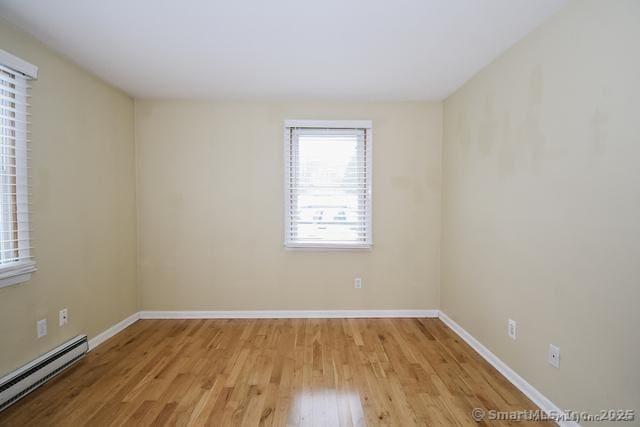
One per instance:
[(365, 125), (20, 270)]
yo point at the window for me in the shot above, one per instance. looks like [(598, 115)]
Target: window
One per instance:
[(16, 264), (327, 184)]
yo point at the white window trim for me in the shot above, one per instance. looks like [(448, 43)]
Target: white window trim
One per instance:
[(18, 64), (19, 271), (329, 124)]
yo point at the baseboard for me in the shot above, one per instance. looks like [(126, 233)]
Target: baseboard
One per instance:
[(260, 314), (286, 314), (521, 384), (105, 335)]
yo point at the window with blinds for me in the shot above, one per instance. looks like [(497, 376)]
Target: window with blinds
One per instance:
[(16, 263), (328, 184)]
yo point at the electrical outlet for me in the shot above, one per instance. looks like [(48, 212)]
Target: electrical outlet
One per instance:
[(63, 317), (511, 329), (554, 356), (41, 327), (357, 283)]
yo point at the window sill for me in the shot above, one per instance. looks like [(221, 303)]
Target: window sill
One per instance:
[(19, 272), (318, 247)]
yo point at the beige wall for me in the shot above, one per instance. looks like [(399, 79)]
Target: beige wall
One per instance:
[(83, 207), (210, 210), (542, 205)]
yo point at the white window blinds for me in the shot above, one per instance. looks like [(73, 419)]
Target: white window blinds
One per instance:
[(15, 251), (328, 184)]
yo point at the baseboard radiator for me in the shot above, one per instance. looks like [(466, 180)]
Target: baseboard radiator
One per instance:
[(32, 375)]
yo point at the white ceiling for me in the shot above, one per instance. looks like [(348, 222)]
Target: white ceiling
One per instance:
[(300, 49)]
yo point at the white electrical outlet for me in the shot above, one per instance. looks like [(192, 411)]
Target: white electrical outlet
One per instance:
[(511, 329), (357, 283), (554, 356), (63, 317), (42, 327)]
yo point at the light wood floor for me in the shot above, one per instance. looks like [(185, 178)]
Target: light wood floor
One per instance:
[(331, 372)]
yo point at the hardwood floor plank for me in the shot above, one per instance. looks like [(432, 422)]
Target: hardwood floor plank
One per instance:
[(274, 372)]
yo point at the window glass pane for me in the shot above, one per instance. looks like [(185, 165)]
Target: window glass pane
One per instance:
[(327, 183), (14, 221), (8, 126)]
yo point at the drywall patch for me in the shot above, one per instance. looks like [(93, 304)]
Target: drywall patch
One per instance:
[(536, 86), (401, 182), (488, 126), (507, 155), (532, 127), (462, 128), (598, 127)]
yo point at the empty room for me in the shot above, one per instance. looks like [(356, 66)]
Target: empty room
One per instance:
[(330, 213)]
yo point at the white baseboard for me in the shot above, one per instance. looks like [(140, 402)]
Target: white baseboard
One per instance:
[(286, 314), (260, 314), (531, 392), (105, 335)]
